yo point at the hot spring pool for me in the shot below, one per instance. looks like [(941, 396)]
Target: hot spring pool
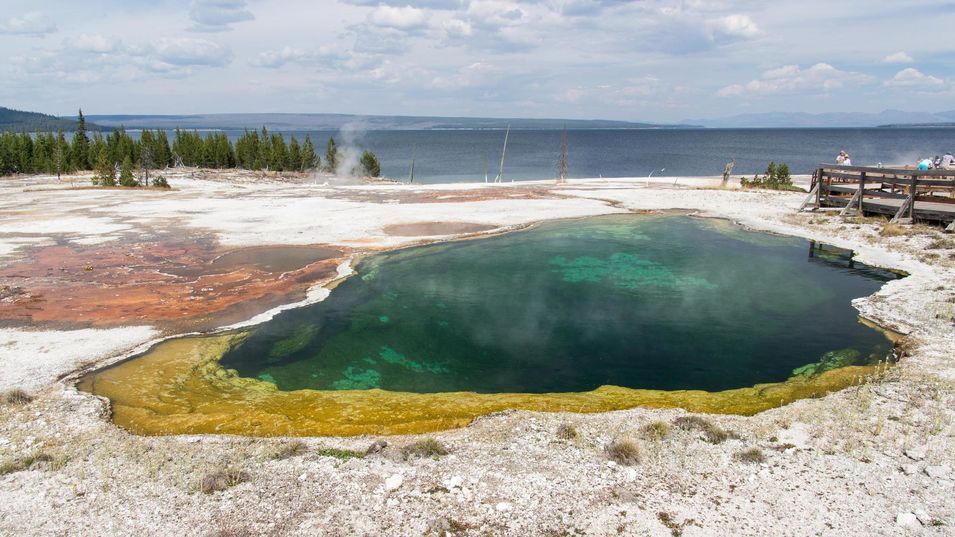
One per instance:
[(585, 315)]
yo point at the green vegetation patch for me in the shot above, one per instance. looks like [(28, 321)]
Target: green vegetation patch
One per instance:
[(830, 360)]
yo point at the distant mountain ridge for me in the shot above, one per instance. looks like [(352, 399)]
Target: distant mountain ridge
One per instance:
[(291, 122), (894, 118), (22, 121)]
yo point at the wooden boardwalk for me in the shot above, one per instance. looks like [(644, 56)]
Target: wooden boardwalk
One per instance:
[(905, 195)]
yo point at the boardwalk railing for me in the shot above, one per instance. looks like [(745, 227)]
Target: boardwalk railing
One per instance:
[(906, 195)]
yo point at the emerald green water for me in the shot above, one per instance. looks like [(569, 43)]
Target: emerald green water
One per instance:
[(642, 302)]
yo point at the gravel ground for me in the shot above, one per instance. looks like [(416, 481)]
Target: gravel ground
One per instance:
[(876, 459)]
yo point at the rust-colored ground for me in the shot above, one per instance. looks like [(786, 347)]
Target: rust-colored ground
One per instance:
[(428, 229), (446, 196), (176, 285)]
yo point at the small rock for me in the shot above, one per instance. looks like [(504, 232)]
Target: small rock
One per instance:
[(916, 453), (454, 482), (907, 520), (910, 469), (936, 472), (376, 447), (630, 474), (924, 517), (395, 481), (504, 507)]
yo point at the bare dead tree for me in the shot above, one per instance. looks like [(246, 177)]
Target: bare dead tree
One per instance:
[(145, 162), (562, 161)]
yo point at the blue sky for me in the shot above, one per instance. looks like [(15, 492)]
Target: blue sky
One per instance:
[(612, 59)]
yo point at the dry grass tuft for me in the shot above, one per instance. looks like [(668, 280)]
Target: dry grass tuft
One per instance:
[(429, 447), (711, 432), (892, 230), (655, 430), (220, 480), (34, 461), (623, 451), (752, 456), (566, 431), (904, 347), (676, 529), (17, 396), (941, 244), (288, 450)]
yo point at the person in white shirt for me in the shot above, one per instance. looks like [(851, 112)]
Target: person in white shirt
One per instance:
[(948, 161)]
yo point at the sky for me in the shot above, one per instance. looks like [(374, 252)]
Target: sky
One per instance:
[(651, 60)]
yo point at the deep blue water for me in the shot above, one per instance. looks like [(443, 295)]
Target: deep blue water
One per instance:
[(464, 155), (453, 156), (636, 301)]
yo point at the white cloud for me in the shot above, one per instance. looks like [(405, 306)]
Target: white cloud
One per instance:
[(33, 24), (475, 74), (401, 18), (320, 57), (735, 26), (898, 57), (218, 15), (789, 79), (90, 43), (184, 51), (911, 78), (496, 13), (456, 28)]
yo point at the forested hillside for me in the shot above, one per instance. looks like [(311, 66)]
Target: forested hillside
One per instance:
[(20, 121)]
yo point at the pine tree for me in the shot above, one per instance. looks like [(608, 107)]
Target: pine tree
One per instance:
[(370, 165), (161, 154), (309, 158), (81, 145), (331, 156), (126, 173), (105, 171), (294, 156)]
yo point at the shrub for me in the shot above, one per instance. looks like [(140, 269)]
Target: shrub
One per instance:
[(341, 454), (17, 396), (625, 452), (160, 182), (429, 447), (777, 177), (711, 433), (656, 430), (222, 479), (567, 431), (752, 455)]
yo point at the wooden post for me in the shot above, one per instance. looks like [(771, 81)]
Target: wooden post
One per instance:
[(819, 185), (861, 191), (912, 197)]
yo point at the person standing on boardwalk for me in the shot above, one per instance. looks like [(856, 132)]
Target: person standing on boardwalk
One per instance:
[(728, 169)]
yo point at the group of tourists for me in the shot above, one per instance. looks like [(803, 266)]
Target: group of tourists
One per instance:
[(843, 159), (946, 162)]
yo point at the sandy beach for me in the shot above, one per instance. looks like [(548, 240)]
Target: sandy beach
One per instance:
[(91, 276)]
